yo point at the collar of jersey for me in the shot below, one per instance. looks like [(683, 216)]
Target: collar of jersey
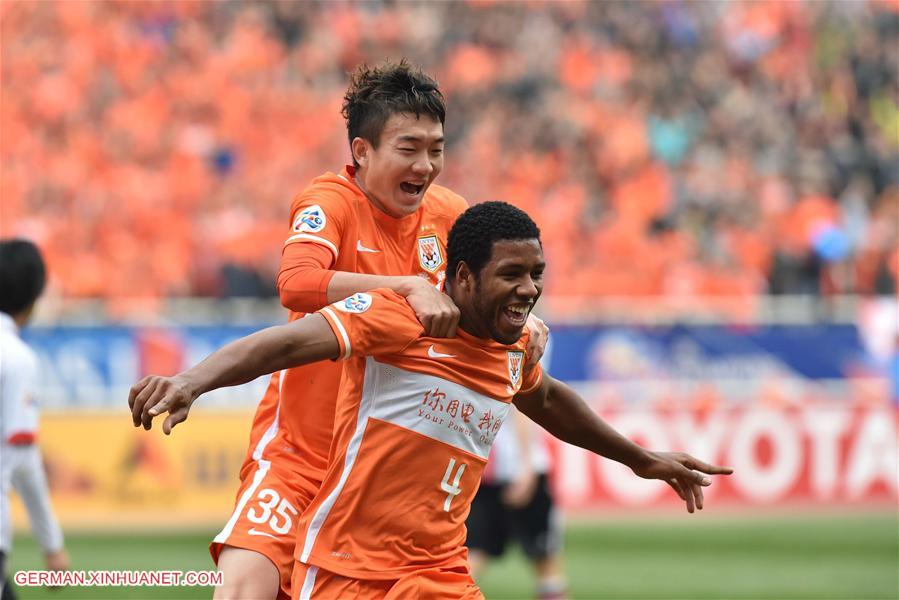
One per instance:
[(484, 343)]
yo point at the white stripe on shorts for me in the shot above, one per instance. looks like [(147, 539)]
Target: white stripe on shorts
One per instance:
[(308, 583), (263, 468)]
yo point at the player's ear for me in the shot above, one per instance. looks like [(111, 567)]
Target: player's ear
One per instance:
[(464, 277), (360, 151)]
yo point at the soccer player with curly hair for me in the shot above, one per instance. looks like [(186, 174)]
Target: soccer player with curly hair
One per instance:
[(416, 416)]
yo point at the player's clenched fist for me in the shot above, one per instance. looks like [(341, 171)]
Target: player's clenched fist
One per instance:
[(434, 309), (154, 395)]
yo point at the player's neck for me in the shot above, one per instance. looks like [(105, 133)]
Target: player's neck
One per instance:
[(377, 204), (471, 329), (22, 317), (468, 321)]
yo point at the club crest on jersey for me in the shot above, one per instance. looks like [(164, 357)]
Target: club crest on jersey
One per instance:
[(357, 303), (429, 254), (311, 219), (516, 357)]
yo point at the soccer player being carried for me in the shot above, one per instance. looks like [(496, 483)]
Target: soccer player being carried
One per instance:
[(416, 416), (379, 223)]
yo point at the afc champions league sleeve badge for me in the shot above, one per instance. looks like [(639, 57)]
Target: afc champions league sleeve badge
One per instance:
[(357, 303), (516, 358), (311, 219), (430, 255)]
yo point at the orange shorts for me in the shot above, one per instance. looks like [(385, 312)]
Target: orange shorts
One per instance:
[(312, 583), (269, 502)]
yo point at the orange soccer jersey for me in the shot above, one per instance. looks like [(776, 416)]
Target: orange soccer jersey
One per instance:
[(294, 421), (415, 420), (292, 429)]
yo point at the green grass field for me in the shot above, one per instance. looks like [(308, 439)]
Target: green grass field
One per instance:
[(833, 556)]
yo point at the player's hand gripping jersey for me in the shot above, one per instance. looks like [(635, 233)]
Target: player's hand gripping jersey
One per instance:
[(415, 420)]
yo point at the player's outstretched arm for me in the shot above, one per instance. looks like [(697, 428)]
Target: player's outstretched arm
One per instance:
[(301, 342), (559, 410)]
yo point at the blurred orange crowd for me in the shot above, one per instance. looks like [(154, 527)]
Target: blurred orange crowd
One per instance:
[(671, 148)]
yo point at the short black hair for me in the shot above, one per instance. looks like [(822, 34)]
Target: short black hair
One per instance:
[(377, 93), (474, 232), (22, 275)]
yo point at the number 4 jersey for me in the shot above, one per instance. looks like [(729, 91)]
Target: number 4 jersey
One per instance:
[(415, 420)]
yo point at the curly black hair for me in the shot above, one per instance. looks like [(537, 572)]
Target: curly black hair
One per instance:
[(22, 275), (474, 232), (377, 93)]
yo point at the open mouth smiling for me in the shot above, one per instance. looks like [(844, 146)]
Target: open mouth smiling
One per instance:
[(517, 314), (411, 188)]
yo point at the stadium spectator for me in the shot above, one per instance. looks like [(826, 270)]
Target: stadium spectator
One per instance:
[(408, 407), (22, 278), (762, 136)]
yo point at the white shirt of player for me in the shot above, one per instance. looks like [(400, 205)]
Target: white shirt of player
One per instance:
[(22, 466), (18, 383)]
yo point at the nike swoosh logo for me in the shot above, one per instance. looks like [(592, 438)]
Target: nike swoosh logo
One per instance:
[(434, 354), (254, 531), (361, 248)]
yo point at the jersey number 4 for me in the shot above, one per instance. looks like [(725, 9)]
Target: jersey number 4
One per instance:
[(269, 501), (452, 489)]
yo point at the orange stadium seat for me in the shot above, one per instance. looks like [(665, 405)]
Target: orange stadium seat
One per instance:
[(148, 146)]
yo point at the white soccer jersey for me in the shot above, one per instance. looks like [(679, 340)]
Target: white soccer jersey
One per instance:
[(18, 384), (21, 467)]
